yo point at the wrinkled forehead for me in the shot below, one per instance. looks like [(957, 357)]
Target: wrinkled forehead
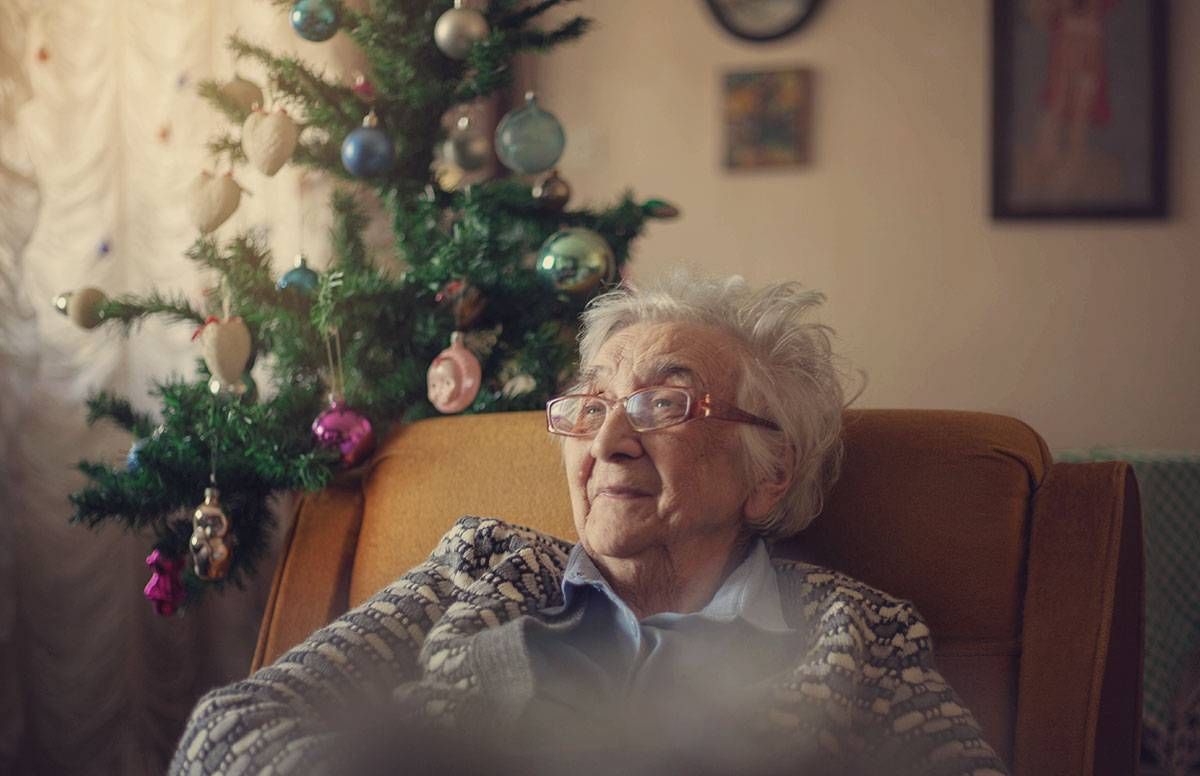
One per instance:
[(674, 353)]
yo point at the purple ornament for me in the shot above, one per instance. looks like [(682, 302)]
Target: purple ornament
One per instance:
[(165, 589), (346, 430)]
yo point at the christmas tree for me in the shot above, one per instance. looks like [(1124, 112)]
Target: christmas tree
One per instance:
[(473, 311)]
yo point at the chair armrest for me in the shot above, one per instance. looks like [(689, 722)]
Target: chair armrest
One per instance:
[(1079, 696), (312, 580)]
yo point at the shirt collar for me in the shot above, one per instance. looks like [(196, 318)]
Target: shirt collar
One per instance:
[(749, 593)]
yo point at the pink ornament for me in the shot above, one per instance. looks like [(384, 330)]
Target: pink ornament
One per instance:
[(165, 588), (454, 377), (346, 430)]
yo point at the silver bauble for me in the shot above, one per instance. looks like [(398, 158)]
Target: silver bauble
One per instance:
[(458, 29)]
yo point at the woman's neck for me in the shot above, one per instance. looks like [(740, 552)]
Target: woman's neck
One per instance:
[(673, 579)]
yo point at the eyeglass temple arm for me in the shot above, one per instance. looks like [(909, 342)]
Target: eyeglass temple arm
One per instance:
[(713, 408)]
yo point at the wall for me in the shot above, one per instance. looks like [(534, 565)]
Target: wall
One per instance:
[(1089, 332)]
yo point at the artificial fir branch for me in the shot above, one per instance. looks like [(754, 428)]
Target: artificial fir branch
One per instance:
[(234, 111), (131, 309), (120, 411), (228, 146)]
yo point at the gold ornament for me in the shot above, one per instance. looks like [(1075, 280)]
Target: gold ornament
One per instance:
[(82, 306), (211, 553), (269, 139), (227, 348), (245, 94), (551, 191), (211, 200)]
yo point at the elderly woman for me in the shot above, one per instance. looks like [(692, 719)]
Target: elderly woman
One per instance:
[(704, 427)]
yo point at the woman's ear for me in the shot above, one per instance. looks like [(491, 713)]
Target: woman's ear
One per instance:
[(767, 492)]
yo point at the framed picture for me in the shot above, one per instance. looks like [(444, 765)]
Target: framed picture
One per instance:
[(768, 118), (1079, 104)]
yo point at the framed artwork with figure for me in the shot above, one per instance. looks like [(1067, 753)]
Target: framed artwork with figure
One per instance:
[(1079, 109)]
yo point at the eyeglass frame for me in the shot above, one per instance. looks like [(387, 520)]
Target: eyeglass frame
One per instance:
[(700, 405)]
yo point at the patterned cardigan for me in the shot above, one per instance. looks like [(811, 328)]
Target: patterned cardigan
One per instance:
[(862, 697)]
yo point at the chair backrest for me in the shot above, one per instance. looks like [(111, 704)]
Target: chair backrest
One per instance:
[(1028, 572)]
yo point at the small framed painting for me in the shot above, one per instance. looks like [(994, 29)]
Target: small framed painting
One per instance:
[(768, 118), (1079, 105)]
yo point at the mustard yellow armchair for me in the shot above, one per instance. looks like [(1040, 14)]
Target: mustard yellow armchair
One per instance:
[(1028, 572)]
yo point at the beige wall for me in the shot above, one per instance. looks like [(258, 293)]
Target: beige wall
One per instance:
[(1089, 332)]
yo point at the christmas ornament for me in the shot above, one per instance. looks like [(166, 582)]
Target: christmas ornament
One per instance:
[(367, 151), (211, 200), (299, 279), (528, 139), (551, 191), (660, 208), (226, 345), (211, 553), (517, 386), (132, 461), (243, 93), (315, 20), (467, 300), (342, 428), (165, 589), (363, 88), (458, 29), (467, 148), (576, 261), (245, 388), (82, 306), (454, 377), (269, 139)]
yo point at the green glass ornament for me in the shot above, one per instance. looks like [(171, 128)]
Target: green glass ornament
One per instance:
[(528, 139), (299, 279), (315, 20), (576, 261)]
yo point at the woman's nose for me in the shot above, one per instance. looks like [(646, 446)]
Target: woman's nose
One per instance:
[(616, 437)]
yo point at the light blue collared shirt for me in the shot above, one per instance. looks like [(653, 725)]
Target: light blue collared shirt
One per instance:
[(683, 675)]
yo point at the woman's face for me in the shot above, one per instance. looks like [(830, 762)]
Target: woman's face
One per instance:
[(681, 488)]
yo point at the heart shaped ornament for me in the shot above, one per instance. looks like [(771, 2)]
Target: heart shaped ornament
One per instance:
[(226, 346), (269, 139), (211, 200)]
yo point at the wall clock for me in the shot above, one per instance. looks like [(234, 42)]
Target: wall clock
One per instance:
[(760, 21)]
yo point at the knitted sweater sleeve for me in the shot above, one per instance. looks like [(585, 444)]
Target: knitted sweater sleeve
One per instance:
[(914, 722), (287, 717)]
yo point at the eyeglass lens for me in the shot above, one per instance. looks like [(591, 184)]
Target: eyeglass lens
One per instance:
[(648, 409)]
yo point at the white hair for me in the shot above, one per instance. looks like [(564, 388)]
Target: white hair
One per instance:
[(790, 375)]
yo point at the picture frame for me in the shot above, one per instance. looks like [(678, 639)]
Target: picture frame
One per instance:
[(1079, 109), (768, 117)]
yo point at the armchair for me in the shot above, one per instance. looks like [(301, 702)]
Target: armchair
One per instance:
[(1028, 572)]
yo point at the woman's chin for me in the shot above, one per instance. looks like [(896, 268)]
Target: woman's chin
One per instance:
[(615, 536)]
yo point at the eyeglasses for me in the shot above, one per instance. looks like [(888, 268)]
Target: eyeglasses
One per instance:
[(663, 406)]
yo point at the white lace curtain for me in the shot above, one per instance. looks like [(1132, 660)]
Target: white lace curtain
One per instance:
[(100, 133)]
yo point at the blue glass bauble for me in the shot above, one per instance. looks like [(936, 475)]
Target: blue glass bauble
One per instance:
[(299, 279), (367, 152), (314, 20), (576, 261), (529, 140)]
